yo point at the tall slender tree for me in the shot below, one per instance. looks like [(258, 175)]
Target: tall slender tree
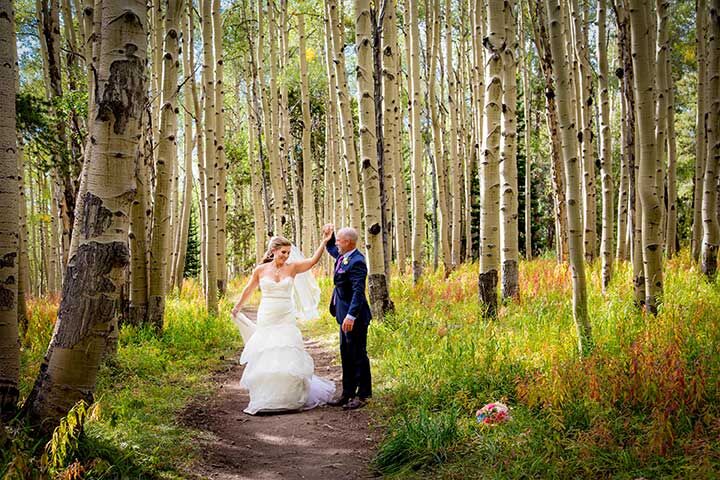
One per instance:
[(308, 202), (210, 200), (221, 182), (556, 24), (711, 227), (701, 141), (489, 164), (9, 216), (377, 281), (606, 245), (509, 250), (95, 271), (347, 128), (166, 158), (647, 188), (416, 164)]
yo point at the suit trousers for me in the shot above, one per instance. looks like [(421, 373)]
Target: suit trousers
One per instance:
[(356, 379)]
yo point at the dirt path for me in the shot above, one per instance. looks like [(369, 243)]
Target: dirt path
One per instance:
[(323, 443)]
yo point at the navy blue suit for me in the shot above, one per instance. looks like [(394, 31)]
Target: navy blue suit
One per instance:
[(348, 298)]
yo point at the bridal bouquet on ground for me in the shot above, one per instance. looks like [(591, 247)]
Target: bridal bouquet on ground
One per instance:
[(493, 414)]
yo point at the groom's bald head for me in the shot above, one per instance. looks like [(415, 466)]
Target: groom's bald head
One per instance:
[(347, 239)]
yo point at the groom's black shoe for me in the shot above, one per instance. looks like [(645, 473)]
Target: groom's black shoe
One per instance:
[(355, 403), (341, 401)]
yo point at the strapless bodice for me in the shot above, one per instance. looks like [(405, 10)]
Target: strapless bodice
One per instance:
[(272, 289)]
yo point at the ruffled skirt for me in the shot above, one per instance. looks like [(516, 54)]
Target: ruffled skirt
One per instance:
[(279, 371)]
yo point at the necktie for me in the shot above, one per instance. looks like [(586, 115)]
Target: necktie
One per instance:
[(337, 264)]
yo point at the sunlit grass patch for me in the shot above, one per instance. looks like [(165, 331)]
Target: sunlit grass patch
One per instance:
[(643, 403)]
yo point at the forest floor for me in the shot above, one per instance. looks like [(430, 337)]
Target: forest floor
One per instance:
[(325, 442)]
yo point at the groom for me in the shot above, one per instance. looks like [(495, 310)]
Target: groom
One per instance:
[(351, 310)]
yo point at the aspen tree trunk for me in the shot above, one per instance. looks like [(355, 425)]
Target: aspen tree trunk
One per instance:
[(280, 199), (647, 188), (711, 230), (9, 217), (622, 210), (166, 157), (332, 125), (308, 216), (465, 125), (49, 29), (384, 171), (211, 288), (270, 127), (509, 254), (391, 117), (377, 281), (454, 160), (391, 74), (542, 42), (255, 178), (288, 163), (489, 164), (588, 136), (416, 165), (95, 272), (221, 175), (528, 160), (200, 147), (701, 141), (188, 72), (606, 246), (630, 153), (671, 229), (346, 120), (23, 259), (479, 27), (445, 222), (572, 173), (137, 312), (660, 54)]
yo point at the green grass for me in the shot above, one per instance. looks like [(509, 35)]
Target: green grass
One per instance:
[(643, 404), (135, 432)]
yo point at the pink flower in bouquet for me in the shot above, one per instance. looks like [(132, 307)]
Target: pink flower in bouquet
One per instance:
[(493, 413)]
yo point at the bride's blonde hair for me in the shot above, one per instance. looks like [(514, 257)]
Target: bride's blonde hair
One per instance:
[(274, 244)]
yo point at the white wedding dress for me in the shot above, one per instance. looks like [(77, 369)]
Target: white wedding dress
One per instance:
[(279, 373)]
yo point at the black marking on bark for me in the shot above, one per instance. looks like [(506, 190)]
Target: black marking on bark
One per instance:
[(8, 298), (366, 163), (8, 260), (374, 229), (90, 295), (487, 289), (96, 218), (124, 92)]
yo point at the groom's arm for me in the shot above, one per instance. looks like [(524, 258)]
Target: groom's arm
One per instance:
[(332, 248)]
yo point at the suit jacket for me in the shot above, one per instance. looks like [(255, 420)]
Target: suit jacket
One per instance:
[(348, 297)]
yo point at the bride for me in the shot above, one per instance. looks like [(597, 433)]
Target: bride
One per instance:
[(279, 372)]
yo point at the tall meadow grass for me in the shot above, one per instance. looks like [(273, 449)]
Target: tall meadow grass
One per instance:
[(643, 404)]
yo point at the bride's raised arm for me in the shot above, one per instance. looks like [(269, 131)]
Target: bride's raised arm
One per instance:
[(252, 284), (302, 266)]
